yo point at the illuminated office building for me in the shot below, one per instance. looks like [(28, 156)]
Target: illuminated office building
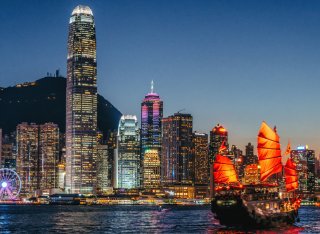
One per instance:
[(128, 153), (305, 161), (200, 151), (218, 135), (49, 155), (61, 175), (28, 157), (103, 181), (8, 151), (151, 170), (81, 103), (112, 146), (37, 156), (177, 159), (250, 158), (1, 159), (251, 174), (151, 128)]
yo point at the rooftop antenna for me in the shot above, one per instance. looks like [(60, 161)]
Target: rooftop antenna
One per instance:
[(179, 111), (152, 86)]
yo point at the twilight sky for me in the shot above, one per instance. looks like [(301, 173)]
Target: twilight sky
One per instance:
[(230, 62)]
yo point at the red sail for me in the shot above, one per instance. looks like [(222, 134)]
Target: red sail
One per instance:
[(223, 170), (291, 175), (269, 152)]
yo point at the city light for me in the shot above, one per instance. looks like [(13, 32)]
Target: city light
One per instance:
[(4, 184)]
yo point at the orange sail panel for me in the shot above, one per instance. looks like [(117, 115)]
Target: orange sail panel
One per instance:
[(291, 175), (223, 170), (269, 152)]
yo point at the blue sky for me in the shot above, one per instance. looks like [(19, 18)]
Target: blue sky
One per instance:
[(230, 62)]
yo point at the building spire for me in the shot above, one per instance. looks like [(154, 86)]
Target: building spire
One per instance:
[(152, 86)]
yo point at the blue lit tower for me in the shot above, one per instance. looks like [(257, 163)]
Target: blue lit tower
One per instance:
[(151, 129)]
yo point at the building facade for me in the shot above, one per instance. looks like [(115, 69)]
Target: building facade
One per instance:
[(28, 161), (151, 126), (128, 159), (103, 181), (49, 155), (200, 150), (305, 161), (37, 156), (8, 152), (218, 135), (250, 157), (177, 159), (151, 169), (81, 103)]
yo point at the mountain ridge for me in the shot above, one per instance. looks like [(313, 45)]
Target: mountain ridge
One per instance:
[(44, 100)]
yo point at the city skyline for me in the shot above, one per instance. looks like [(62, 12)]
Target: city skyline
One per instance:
[(220, 84)]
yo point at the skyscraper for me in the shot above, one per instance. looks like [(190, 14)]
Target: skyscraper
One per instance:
[(218, 135), (49, 155), (81, 103), (305, 161), (8, 154), (128, 153), (177, 162), (1, 159), (103, 181), (151, 128), (151, 169), (28, 157), (37, 156), (250, 158), (200, 151)]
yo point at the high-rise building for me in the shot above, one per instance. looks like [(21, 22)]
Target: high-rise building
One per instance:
[(128, 153), (251, 174), (112, 145), (151, 128), (61, 175), (28, 163), (8, 151), (177, 159), (81, 103), (103, 181), (305, 161), (37, 156), (1, 159), (200, 151), (218, 135), (151, 169), (250, 158), (49, 155)]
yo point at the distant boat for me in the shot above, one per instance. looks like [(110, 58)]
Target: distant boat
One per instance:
[(260, 204)]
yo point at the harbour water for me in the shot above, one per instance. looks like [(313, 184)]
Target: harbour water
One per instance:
[(131, 219)]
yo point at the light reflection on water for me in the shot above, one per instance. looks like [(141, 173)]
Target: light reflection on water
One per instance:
[(131, 219)]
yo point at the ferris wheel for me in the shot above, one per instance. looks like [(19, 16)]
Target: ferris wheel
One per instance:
[(10, 184)]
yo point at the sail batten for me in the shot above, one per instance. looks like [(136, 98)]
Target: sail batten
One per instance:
[(269, 152), (224, 170)]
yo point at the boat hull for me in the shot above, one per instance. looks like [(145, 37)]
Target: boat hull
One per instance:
[(236, 213)]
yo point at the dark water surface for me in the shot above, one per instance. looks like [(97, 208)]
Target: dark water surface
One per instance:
[(130, 219)]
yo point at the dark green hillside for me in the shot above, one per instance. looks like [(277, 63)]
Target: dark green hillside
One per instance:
[(44, 101)]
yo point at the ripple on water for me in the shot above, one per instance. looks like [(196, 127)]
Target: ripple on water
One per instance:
[(131, 219)]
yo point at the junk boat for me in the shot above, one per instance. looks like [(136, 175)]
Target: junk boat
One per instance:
[(256, 205)]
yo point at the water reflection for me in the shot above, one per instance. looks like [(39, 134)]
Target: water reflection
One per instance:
[(137, 219)]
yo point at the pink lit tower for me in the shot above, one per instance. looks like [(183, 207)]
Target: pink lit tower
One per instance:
[(151, 116)]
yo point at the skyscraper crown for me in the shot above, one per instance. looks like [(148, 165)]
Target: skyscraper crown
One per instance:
[(82, 10)]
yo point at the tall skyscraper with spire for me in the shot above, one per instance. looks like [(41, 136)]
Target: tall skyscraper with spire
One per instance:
[(81, 103), (151, 129)]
